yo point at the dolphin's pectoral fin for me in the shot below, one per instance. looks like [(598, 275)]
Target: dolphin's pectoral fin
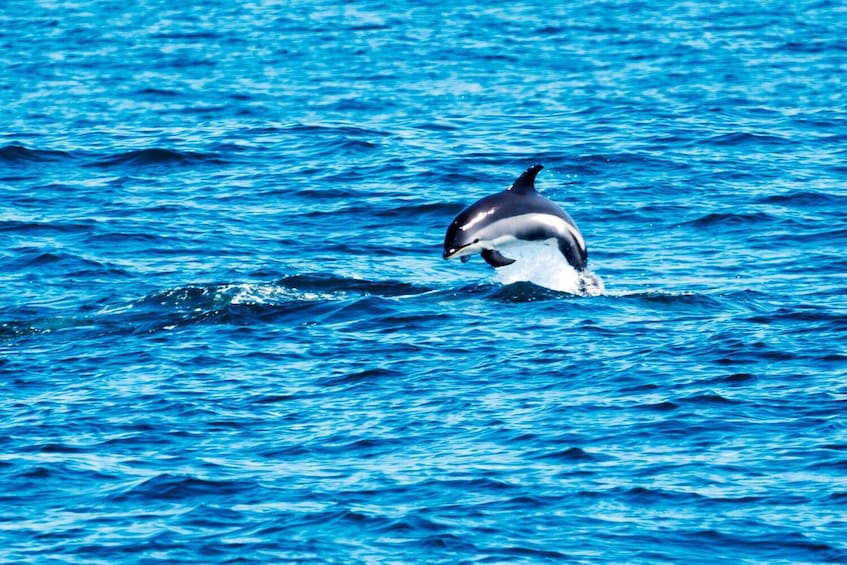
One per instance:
[(465, 258), (495, 258)]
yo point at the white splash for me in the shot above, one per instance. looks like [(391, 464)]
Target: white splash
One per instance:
[(545, 266), (269, 293)]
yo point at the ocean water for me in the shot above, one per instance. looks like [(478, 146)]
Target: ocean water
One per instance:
[(227, 333)]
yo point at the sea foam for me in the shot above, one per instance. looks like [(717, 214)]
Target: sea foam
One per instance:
[(545, 266)]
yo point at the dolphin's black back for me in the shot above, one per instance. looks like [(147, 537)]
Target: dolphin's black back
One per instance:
[(520, 199)]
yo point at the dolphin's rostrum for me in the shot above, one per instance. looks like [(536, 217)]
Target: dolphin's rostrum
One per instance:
[(516, 215)]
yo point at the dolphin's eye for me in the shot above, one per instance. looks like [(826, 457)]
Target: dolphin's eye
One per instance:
[(476, 240)]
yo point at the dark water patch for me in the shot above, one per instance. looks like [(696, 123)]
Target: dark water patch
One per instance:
[(33, 472), (807, 313), (745, 138), (805, 199), (790, 545), (351, 210), (146, 238), (476, 484), (343, 131), (347, 147), (437, 126), (55, 448), (205, 110), (353, 104), (366, 313), (738, 379), (412, 322), (449, 542), (835, 465), (158, 92), (211, 516), (70, 262), (45, 227), (521, 553), (236, 315), (571, 454), (523, 292), (358, 377), (815, 46), (68, 475), (644, 495), (193, 35), (638, 160), (284, 451), (157, 156), (733, 380), (321, 194), (718, 219), (450, 176), (688, 303), (413, 211), (174, 487), (21, 154), (735, 350), (275, 398), (411, 524), (707, 399), (329, 282), (298, 299), (664, 406), (822, 234)]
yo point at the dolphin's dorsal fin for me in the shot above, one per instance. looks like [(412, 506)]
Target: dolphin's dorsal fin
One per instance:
[(526, 182)]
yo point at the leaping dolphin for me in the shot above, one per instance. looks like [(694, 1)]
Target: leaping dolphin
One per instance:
[(517, 215)]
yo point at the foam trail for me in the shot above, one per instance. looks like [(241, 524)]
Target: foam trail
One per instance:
[(545, 266)]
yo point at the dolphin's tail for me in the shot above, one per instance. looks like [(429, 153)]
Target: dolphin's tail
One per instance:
[(574, 254)]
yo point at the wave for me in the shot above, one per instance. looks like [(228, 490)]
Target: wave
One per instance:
[(745, 138), (58, 261), (18, 153), (390, 288), (673, 299), (31, 227), (804, 198), (729, 219), (297, 299), (169, 487), (437, 209), (138, 157), (185, 35), (157, 156), (333, 131), (157, 92)]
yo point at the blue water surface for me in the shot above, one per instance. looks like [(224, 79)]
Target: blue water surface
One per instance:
[(227, 333)]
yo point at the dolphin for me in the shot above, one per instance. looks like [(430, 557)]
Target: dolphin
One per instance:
[(516, 215)]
